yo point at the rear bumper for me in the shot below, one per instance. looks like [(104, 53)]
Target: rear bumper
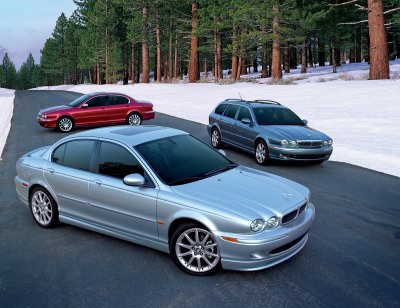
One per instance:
[(148, 115), (268, 248), (322, 153)]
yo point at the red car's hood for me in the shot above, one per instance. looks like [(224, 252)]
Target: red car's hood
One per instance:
[(54, 109)]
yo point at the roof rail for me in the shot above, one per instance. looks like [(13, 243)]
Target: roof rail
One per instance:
[(266, 101)]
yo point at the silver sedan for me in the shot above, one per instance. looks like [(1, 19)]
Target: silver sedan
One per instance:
[(162, 188)]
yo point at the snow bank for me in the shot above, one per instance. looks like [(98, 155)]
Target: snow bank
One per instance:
[(362, 116), (6, 112)]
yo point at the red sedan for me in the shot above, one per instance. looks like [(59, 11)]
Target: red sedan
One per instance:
[(96, 109)]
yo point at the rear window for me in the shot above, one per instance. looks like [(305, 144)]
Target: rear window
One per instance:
[(220, 109), (231, 112), (74, 154), (117, 100)]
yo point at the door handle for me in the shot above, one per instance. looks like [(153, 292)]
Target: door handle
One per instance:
[(51, 170), (98, 182)]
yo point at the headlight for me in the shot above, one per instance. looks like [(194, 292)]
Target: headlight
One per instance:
[(44, 116), (325, 142), (284, 142), (257, 225), (272, 222), (293, 143), (330, 141)]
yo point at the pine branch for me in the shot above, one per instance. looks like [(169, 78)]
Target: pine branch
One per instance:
[(344, 3), (391, 10), (353, 23)]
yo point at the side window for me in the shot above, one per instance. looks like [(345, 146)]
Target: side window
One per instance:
[(117, 162), (244, 113), (220, 109), (117, 100), (77, 154), (97, 101), (231, 111), (58, 155)]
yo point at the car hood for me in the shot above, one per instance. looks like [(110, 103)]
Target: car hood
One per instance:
[(246, 192), (54, 109), (293, 132)]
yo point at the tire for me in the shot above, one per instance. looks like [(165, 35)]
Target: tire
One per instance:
[(261, 152), (199, 257), (216, 138), (65, 124), (43, 208), (134, 119)]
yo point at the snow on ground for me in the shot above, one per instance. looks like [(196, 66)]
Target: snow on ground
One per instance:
[(362, 116), (6, 112)]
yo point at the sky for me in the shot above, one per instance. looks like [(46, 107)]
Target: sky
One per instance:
[(26, 24)]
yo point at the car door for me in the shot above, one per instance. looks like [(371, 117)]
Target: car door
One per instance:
[(127, 209), (244, 133), (68, 176), (92, 112), (117, 108), (227, 121)]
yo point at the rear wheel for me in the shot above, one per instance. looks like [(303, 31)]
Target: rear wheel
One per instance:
[(134, 119), (261, 153), (194, 250), (43, 207), (65, 124)]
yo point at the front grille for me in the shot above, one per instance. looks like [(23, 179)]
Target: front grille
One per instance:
[(302, 208), (288, 245), (310, 143), (307, 156), (289, 217)]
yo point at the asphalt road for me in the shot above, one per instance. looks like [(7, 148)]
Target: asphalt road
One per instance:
[(352, 257)]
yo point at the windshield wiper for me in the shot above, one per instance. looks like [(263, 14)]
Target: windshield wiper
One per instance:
[(186, 180), (220, 169)]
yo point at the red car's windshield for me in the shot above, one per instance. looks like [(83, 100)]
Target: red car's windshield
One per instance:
[(78, 101)]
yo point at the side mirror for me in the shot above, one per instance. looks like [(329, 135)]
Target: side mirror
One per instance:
[(246, 121), (305, 121), (85, 105), (134, 179), (222, 152)]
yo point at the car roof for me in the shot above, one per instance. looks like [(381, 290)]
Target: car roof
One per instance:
[(253, 103), (105, 93), (129, 135)]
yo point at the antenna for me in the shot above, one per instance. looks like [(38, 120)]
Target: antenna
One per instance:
[(240, 96)]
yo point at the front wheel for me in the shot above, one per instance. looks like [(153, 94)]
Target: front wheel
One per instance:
[(216, 138), (261, 154), (134, 119), (44, 208), (194, 250), (65, 124)]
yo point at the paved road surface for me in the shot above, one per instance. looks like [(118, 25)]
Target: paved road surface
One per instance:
[(352, 257)]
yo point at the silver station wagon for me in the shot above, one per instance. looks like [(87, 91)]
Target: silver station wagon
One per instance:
[(268, 130), (162, 188)]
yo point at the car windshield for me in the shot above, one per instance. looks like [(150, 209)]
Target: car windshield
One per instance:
[(78, 101), (276, 116), (183, 159)]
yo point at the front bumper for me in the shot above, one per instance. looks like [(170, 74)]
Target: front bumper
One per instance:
[(48, 123), (267, 248), (281, 153)]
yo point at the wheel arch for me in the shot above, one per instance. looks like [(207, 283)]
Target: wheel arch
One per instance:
[(45, 187)]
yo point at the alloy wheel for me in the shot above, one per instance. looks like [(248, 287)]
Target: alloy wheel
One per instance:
[(65, 124), (42, 208), (215, 138), (197, 251), (261, 153), (134, 119)]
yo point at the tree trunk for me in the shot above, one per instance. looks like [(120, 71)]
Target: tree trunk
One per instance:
[(321, 53), (176, 58), (239, 68), (194, 74), (170, 52), (310, 55), (293, 57), (107, 51), (133, 62), (145, 49), (255, 64), (98, 73), (205, 70), (358, 45), (304, 57), (158, 43), (264, 61), (352, 56), (286, 59), (219, 56), (276, 53), (333, 56), (337, 55), (243, 66), (234, 67), (379, 68), (397, 40)]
